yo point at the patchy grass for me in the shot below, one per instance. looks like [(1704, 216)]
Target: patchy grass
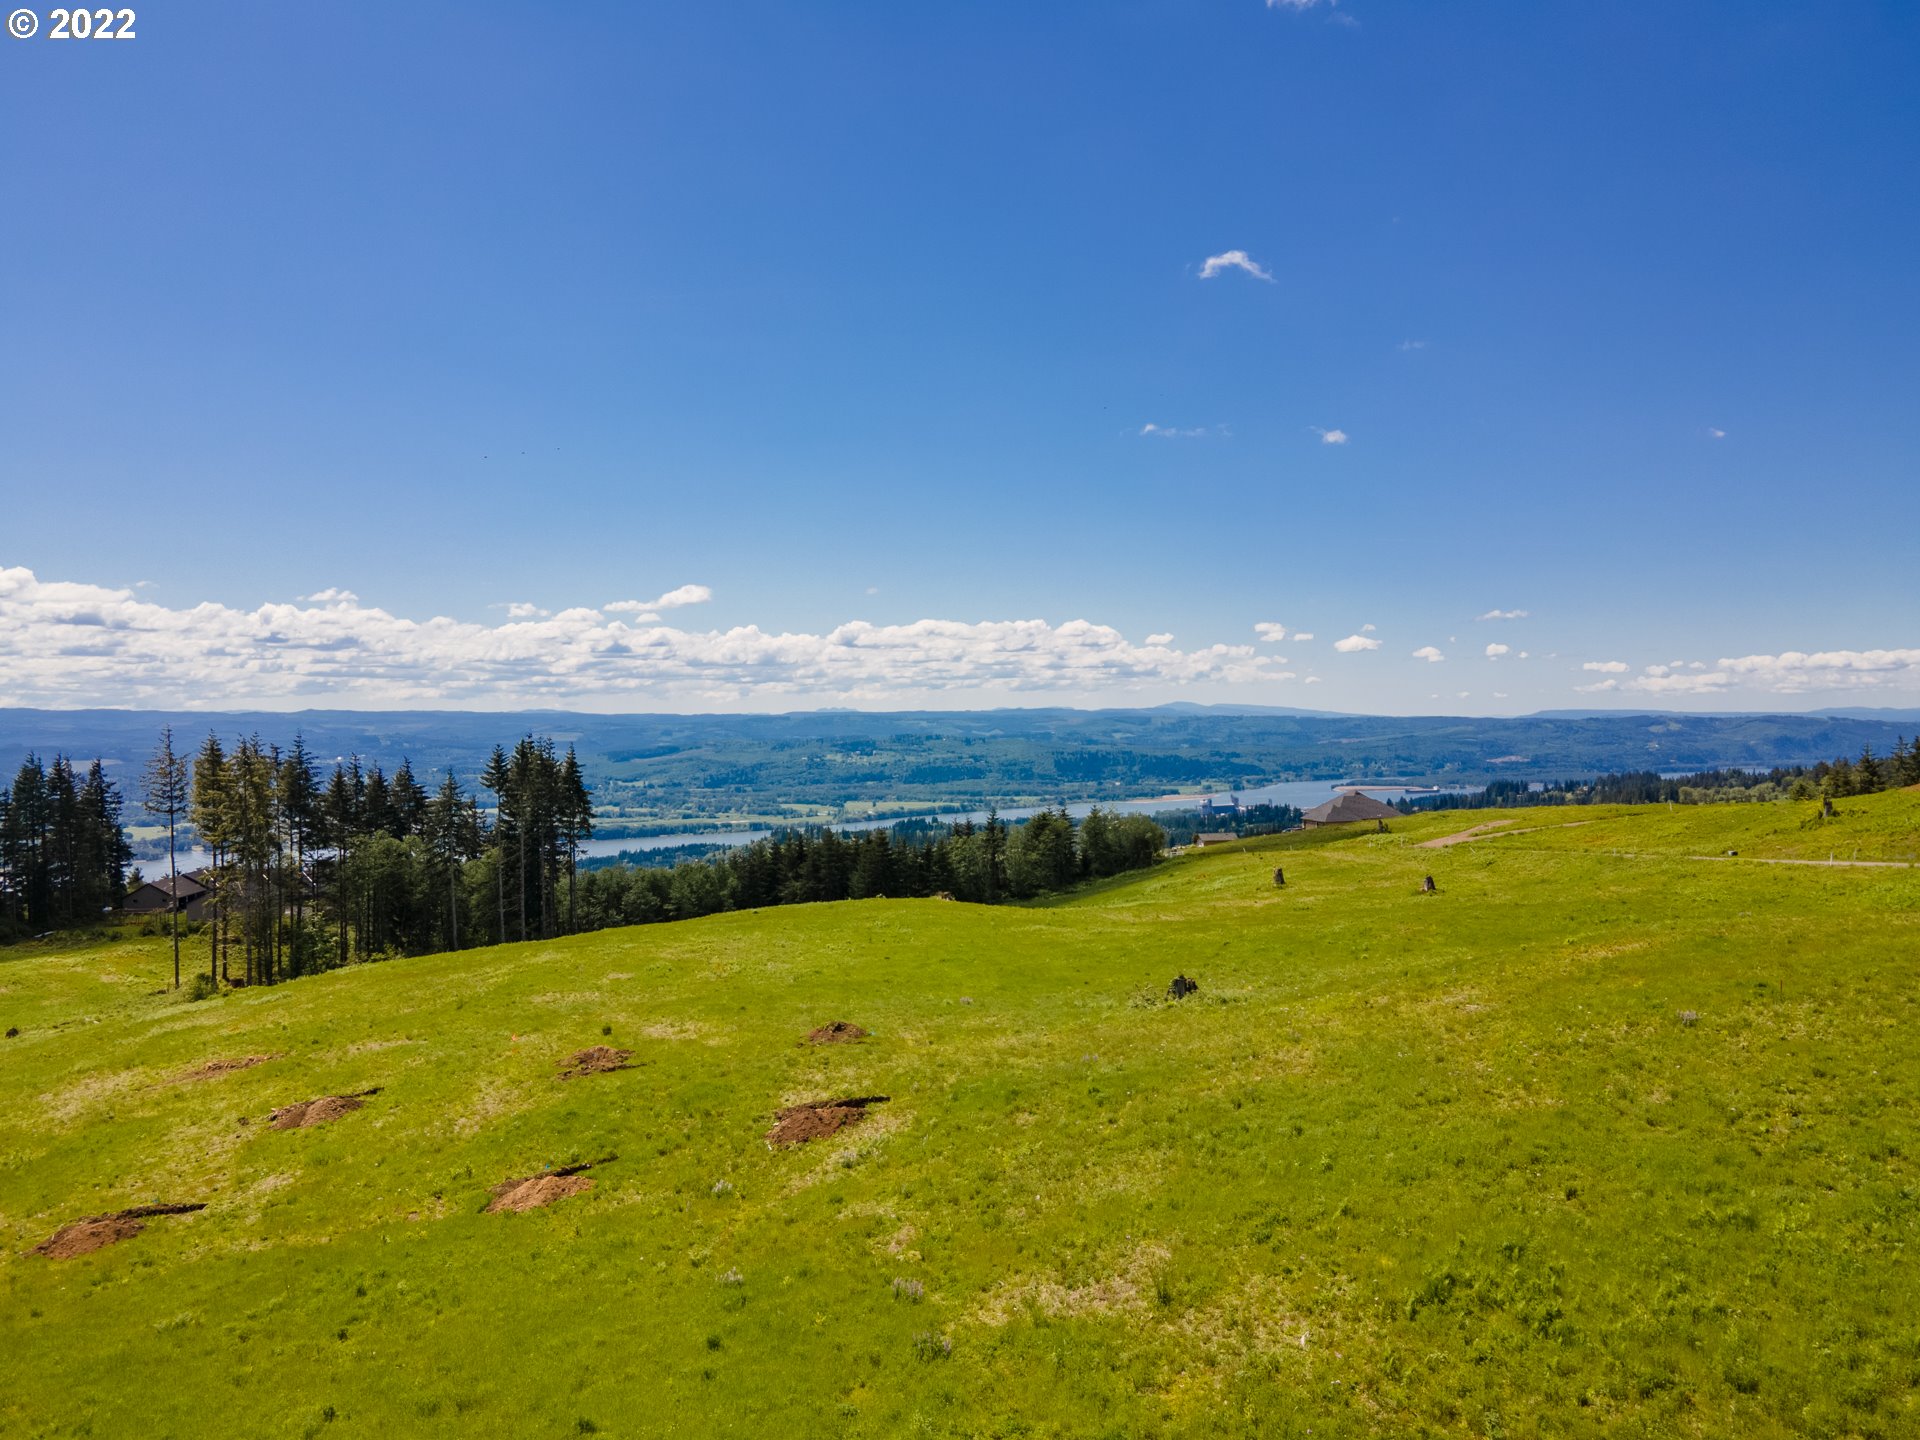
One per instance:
[(1446, 1164)]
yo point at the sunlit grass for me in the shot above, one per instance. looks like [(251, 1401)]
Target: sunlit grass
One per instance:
[(1448, 1164)]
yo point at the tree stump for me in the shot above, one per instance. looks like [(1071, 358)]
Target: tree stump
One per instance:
[(1181, 988), (1279, 876), (1427, 887)]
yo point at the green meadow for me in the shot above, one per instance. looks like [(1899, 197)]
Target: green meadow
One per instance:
[(1615, 1134)]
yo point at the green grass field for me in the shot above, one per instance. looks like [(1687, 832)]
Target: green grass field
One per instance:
[(1450, 1164)]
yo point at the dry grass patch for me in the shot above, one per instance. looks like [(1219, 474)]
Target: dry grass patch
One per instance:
[(1124, 1290)]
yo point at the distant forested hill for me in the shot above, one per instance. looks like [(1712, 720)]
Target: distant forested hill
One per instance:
[(653, 767)]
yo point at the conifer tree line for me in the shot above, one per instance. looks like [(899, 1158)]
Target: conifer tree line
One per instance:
[(1832, 780), (312, 870), (63, 854), (309, 873), (983, 863), (1870, 773)]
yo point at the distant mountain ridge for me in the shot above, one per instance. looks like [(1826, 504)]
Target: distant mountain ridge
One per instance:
[(645, 768)]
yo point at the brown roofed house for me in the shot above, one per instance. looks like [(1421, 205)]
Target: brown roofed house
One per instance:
[(1347, 807), (1213, 837), (159, 897)]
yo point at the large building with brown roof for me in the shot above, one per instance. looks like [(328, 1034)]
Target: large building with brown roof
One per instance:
[(1346, 808)]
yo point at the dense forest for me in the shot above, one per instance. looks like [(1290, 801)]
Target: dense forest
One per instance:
[(1865, 774), (311, 873), (63, 853), (983, 863)]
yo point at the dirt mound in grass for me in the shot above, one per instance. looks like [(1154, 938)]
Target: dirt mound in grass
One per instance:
[(534, 1191), (818, 1119), (83, 1237), (838, 1033), (599, 1060), (213, 1069), (320, 1111)]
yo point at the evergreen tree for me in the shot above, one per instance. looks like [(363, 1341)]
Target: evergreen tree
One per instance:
[(23, 846), (167, 790), (211, 808), (299, 801), (104, 851), (1839, 782), (495, 779), (452, 831), (1866, 773)]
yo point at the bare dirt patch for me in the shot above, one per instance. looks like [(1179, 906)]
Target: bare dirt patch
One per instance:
[(320, 1111), (818, 1119), (83, 1237), (214, 1069), (839, 1032), (597, 1060), (533, 1192)]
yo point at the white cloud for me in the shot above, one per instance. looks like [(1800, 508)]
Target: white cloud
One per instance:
[(332, 595), (683, 595), (1354, 643), (71, 643), (1428, 654), (1607, 667), (1311, 680), (522, 610), (1232, 260), (644, 610), (1598, 686), (1174, 432), (873, 589), (1271, 631), (1329, 437), (1793, 671), (1502, 615), (1522, 655), (1164, 638), (1300, 6), (1716, 432), (1656, 680), (1413, 344), (1495, 651), (1300, 636), (1366, 629)]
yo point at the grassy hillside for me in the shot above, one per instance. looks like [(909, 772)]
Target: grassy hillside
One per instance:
[(1448, 1164)]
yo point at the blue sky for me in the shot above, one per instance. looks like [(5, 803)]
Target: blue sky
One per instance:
[(853, 317)]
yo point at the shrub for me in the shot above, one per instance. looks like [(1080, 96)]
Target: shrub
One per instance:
[(929, 1346)]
